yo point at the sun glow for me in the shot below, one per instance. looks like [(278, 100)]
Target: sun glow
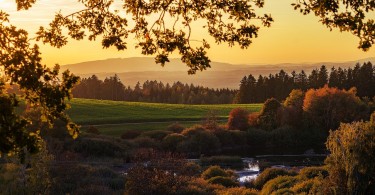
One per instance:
[(6, 4)]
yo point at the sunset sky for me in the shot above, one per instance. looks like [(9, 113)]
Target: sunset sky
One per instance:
[(293, 38)]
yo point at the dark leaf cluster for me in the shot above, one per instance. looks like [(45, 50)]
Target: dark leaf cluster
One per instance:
[(43, 87), (161, 27), (347, 15)]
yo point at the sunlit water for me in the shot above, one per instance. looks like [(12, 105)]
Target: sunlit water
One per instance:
[(249, 173)]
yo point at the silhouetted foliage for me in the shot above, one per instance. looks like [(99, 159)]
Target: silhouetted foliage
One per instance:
[(151, 91), (346, 15), (281, 84)]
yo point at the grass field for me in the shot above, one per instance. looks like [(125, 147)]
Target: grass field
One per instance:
[(108, 113), (92, 112)]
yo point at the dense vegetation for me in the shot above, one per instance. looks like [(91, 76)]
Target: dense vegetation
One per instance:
[(150, 91), (278, 86), (302, 122), (351, 146)]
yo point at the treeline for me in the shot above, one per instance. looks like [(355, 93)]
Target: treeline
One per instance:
[(151, 91), (278, 86)]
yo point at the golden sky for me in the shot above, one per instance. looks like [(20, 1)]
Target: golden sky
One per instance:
[(292, 38)]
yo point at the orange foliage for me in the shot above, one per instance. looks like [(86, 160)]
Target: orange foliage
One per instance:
[(238, 119), (328, 106)]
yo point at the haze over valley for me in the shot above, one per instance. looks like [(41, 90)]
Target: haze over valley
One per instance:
[(220, 75)]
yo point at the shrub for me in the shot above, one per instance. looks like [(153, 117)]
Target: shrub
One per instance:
[(253, 119), (175, 127), (199, 186), (311, 186), (191, 169), (278, 185), (211, 121), (270, 174), (199, 141), (214, 171), (257, 138), (171, 141), (93, 189), (93, 130), (193, 130), (238, 119), (311, 172), (157, 134), (237, 191), (224, 181), (97, 146), (146, 142), (131, 134)]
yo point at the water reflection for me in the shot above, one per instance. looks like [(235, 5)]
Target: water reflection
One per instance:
[(250, 172)]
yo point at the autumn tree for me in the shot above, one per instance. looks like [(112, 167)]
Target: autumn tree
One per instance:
[(292, 113), (351, 162), (269, 115), (327, 107), (238, 119)]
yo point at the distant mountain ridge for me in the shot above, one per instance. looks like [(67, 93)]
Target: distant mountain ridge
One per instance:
[(220, 75)]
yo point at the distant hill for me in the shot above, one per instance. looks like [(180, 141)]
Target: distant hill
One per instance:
[(221, 75)]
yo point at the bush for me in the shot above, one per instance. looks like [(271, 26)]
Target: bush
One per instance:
[(85, 179), (193, 130), (311, 186), (237, 191), (199, 186), (270, 174), (157, 134), (257, 139), (312, 172), (131, 134), (191, 169), (171, 141), (214, 171), (279, 185), (93, 130), (175, 127), (253, 119), (231, 138), (97, 146), (93, 189), (224, 181), (238, 119), (199, 141), (146, 142)]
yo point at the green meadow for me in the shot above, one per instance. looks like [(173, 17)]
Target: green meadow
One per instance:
[(115, 117)]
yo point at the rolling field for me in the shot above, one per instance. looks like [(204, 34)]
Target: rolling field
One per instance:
[(115, 116)]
